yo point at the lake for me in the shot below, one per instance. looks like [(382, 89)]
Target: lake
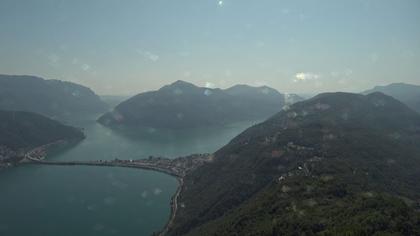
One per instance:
[(77, 200)]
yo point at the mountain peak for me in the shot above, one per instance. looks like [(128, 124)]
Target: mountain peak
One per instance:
[(182, 83), (194, 106), (392, 87), (400, 84), (179, 85), (375, 110), (244, 89), (406, 93), (356, 101)]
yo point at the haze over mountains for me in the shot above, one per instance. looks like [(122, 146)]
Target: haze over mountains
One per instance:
[(113, 100), (51, 98), (336, 164), (209, 118), (406, 93), (184, 105)]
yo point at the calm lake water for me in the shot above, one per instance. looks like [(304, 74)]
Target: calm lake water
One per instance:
[(76, 200)]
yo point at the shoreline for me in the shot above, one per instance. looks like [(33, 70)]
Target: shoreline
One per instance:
[(174, 199), (178, 168), (174, 207), (23, 156)]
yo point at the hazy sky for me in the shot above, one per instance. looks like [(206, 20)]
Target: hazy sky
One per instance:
[(125, 47)]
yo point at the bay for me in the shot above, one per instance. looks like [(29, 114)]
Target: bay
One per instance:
[(76, 200)]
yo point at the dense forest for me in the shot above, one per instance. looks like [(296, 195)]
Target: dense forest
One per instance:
[(338, 163)]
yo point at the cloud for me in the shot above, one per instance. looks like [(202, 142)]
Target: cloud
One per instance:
[(149, 55), (305, 76), (85, 67), (210, 85)]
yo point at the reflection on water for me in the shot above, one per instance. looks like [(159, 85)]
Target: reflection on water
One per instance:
[(52, 200)]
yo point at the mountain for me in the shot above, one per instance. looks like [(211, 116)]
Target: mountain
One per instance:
[(183, 105), (336, 164), (22, 131), (291, 98), (52, 98), (406, 93)]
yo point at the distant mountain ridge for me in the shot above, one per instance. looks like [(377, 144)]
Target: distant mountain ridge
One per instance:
[(183, 105), (52, 98), (336, 164), (406, 93), (114, 100)]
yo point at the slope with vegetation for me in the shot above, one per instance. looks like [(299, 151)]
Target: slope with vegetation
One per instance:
[(22, 131), (337, 164), (182, 105)]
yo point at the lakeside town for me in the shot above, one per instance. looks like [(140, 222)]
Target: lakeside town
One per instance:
[(177, 167)]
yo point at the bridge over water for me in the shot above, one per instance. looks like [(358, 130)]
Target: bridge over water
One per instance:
[(163, 167)]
